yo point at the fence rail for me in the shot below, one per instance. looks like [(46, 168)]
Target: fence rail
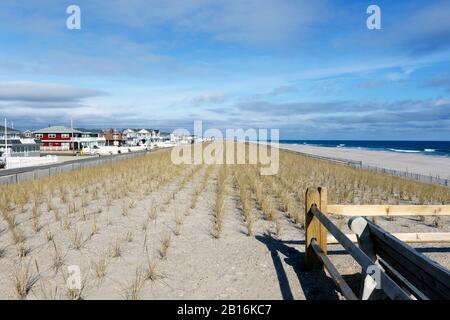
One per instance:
[(389, 210), (23, 162), (392, 172), (408, 237), (13, 176), (409, 175)]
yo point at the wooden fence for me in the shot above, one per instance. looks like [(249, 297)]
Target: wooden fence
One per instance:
[(392, 172), (401, 272)]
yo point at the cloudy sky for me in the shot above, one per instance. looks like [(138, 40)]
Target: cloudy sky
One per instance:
[(310, 68)]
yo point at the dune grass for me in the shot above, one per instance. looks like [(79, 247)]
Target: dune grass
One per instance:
[(70, 214)]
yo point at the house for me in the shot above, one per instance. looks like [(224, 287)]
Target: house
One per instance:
[(114, 137), (56, 138), (147, 135), (144, 135), (175, 138), (140, 136), (165, 136), (130, 137), (89, 139), (60, 138), (27, 134), (156, 135), (16, 145)]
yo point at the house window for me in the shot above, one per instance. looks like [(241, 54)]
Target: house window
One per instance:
[(38, 135), (52, 135), (65, 135)]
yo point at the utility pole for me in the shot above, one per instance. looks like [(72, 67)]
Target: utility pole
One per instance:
[(73, 143), (6, 140)]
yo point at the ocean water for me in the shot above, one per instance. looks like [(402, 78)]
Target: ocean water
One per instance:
[(431, 148)]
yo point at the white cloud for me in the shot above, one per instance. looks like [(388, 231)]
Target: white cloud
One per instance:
[(427, 29), (39, 92), (214, 97), (281, 90), (251, 22)]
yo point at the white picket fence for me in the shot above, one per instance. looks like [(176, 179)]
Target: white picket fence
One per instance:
[(21, 162)]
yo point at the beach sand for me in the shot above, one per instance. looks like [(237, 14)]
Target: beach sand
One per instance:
[(266, 265), (414, 163)]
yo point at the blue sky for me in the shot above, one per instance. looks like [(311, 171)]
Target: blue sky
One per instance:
[(310, 68)]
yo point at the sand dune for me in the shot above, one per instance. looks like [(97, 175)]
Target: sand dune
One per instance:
[(135, 231)]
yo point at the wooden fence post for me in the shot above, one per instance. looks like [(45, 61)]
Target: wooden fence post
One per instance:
[(323, 206), (313, 228)]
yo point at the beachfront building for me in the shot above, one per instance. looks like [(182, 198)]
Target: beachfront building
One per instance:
[(114, 138), (156, 136), (144, 135), (60, 138), (27, 134), (136, 137), (148, 135), (130, 137), (16, 145), (88, 139), (169, 137), (179, 139)]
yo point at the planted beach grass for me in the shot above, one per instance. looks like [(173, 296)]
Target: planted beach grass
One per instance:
[(130, 222)]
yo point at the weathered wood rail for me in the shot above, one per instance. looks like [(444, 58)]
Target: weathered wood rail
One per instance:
[(389, 210), (390, 267), (396, 211)]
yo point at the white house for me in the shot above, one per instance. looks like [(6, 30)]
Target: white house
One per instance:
[(140, 136), (16, 146), (130, 137)]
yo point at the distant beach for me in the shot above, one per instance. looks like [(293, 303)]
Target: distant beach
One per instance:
[(429, 148), (414, 162)]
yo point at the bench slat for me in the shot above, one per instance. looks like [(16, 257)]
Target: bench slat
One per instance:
[(424, 273)]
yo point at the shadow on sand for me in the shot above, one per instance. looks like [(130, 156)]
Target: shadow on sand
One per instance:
[(316, 284)]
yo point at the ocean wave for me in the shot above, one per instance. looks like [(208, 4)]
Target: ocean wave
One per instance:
[(429, 150), (404, 151)]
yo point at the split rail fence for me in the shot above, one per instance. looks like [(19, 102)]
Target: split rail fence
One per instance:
[(390, 267)]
